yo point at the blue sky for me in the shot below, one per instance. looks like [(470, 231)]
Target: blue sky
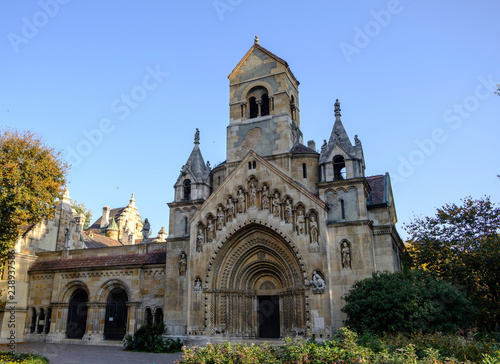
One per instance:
[(120, 87)]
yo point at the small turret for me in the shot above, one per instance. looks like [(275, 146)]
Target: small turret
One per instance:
[(339, 159)]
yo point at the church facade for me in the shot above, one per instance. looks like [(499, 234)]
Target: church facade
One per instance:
[(266, 243), (263, 245)]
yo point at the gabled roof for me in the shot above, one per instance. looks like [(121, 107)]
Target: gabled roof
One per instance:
[(92, 240), (256, 45), (270, 166)]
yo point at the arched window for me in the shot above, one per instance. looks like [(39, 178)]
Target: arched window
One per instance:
[(338, 167), (254, 110), (264, 107), (148, 316), (33, 320), (187, 189), (158, 315)]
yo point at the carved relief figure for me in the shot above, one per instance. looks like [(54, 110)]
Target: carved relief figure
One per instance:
[(230, 209), (265, 198), (346, 255), (197, 285), (317, 283), (210, 230), (220, 218), (276, 204), (200, 239), (182, 264), (313, 229), (253, 195), (301, 222), (288, 211), (241, 201)]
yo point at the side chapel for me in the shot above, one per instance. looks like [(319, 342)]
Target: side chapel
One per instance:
[(263, 245)]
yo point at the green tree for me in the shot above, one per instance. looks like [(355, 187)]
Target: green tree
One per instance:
[(32, 176), (81, 209), (461, 244), (406, 303)]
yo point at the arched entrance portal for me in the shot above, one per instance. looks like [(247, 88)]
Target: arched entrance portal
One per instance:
[(77, 314), (256, 288), (115, 324)]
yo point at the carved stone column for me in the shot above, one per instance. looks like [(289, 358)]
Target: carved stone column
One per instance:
[(132, 316)]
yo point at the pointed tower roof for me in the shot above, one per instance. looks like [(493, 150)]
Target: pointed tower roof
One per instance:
[(112, 225), (195, 164), (255, 46), (338, 137)]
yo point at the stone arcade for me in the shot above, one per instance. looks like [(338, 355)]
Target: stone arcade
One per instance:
[(263, 245)]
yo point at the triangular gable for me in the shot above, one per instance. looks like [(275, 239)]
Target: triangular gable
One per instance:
[(268, 53), (243, 164)]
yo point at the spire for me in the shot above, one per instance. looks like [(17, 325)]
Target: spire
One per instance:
[(197, 137), (337, 110), (132, 201), (66, 200)]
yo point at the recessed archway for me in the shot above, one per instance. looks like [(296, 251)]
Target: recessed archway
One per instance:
[(256, 266), (115, 324), (77, 314)]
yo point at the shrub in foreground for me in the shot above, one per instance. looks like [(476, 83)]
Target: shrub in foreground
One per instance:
[(346, 347), (21, 358), (407, 303), (149, 338)]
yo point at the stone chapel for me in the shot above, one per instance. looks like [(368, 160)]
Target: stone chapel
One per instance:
[(263, 245)]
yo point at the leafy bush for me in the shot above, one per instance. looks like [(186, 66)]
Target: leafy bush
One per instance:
[(407, 303), (347, 347), (7, 357), (149, 338)]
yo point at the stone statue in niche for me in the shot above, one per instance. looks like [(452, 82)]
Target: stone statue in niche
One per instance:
[(301, 222), (210, 230), (252, 199), (265, 198), (220, 218), (197, 285), (313, 229), (200, 239), (145, 230), (230, 209), (346, 255), (182, 264), (276, 204), (241, 200), (288, 211), (317, 283)]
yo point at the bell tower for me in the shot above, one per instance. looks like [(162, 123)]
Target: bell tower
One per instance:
[(263, 106)]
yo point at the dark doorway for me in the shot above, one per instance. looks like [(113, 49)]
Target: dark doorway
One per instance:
[(77, 315), (115, 324), (269, 316)]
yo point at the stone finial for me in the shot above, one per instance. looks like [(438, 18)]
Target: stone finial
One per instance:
[(337, 109), (132, 201), (197, 137), (256, 41)]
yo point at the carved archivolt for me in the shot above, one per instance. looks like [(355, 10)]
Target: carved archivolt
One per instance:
[(253, 259)]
